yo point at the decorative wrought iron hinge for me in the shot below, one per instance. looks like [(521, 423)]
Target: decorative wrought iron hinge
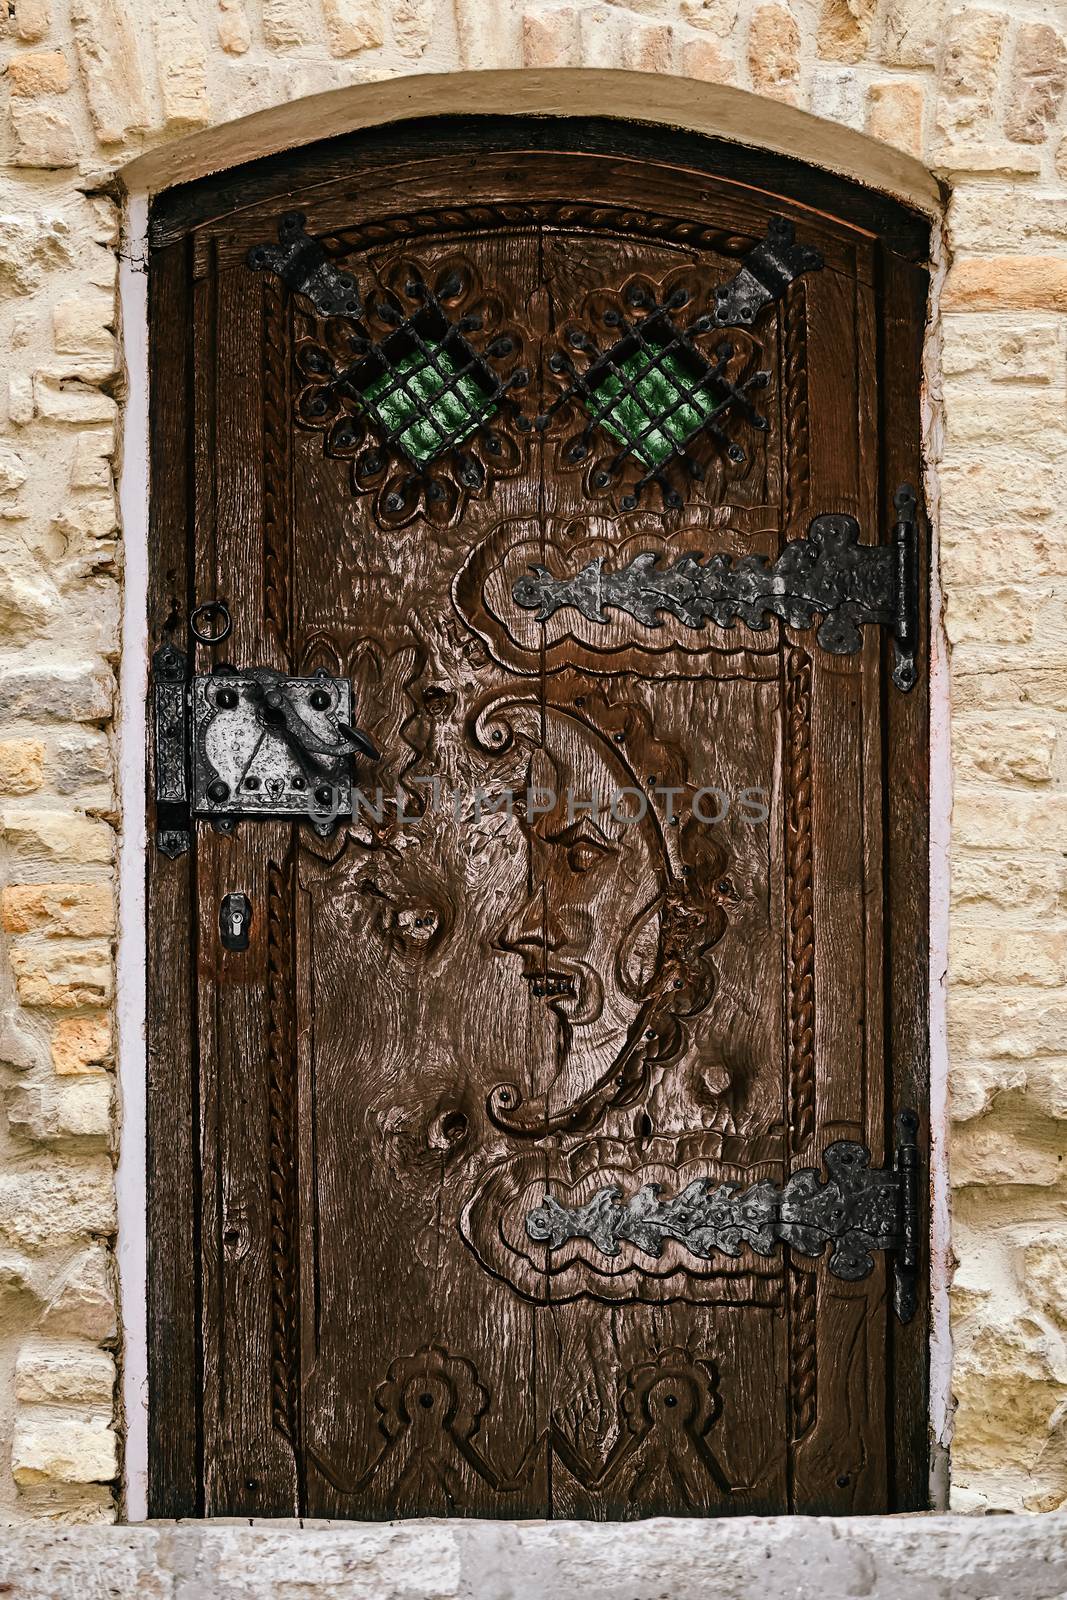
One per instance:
[(856, 1211), (251, 742), (828, 574)]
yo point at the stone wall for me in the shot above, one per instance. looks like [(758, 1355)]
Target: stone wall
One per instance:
[(977, 93)]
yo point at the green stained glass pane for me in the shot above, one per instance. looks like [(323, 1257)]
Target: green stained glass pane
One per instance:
[(456, 405), (659, 394)]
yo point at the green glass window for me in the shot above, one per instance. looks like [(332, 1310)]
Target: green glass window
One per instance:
[(652, 403)]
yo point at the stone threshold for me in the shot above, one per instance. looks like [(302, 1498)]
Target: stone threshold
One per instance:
[(924, 1557)]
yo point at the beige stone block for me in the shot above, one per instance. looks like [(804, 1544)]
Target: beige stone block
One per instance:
[(601, 41), (181, 63), (908, 32), (835, 94), (50, 1445), (774, 52), (1003, 751), (1009, 821), (712, 16), (32, 20), (844, 29), (976, 688), (1020, 487), (53, 1113), (1009, 883), (1005, 347), (12, 470), (988, 955), (58, 836), (80, 910), (22, 1282), (82, 1044), (412, 23), (63, 692), (488, 37), (69, 400), (288, 23), (21, 406), (90, 466), (353, 25), (970, 64), (551, 38), (38, 72), (80, 759), (993, 217), (1044, 1271), (21, 765), (61, 976), (961, 159), (85, 326), (110, 67), (1003, 1152), (43, 136), (707, 61), (64, 1373), (998, 1026), (1033, 424), (1008, 1396), (83, 1301), (57, 1201), (235, 36), (1005, 283), (1046, 1088), (895, 115), (975, 1085), (1036, 82), (648, 47)]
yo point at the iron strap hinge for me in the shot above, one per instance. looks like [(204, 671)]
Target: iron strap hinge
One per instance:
[(856, 1210), (240, 743)]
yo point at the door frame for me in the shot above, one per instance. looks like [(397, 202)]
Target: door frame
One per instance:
[(158, 1177)]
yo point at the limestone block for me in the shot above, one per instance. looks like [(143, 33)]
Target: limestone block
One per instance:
[(65, 1373), (60, 692), (1007, 752), (235, 36), (1000, 1028), (43, 136), (85, 326), (21, 407), (1008, 1398), (648, 47), (1006, 821), (707, 61), (1046, 1088), (91, 463), (64, 976), (30, 244), (486, 36), (974, 1086), (54, 1112), (1005, 347), (32, 20), (83, 1301), (68, 400), (895, 113), (973, 41), (56, 1201), (844, 29), (713, 16), (835, 95), (412, 22), (1007, 882), (79, 759), (987, 955), (995, 217), (82, 1044), (551, 38), (908, 32), (774, 53), (353, 25), (1018, 486), (989, 616), (181, 62), (110, 67), (12, 470), (1036, 82), (288, 23), (601, 31), (38, 72), (58, 836), (21, 765), (962, 159), (1004, 283), (1044, 1266), (61, 1446), (977, 688), (78, 909), (1004, 1152)]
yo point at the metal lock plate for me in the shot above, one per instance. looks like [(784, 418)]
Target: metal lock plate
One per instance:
[(252, 761)]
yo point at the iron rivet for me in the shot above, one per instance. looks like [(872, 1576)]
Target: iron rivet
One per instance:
[(226, 698), (318, 699), (218, 790)]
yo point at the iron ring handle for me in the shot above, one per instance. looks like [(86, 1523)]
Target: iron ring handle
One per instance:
[(205, 613)]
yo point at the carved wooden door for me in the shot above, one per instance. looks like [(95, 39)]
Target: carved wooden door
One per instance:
[(481, 1137)]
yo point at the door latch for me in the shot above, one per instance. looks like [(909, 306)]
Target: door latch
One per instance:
[(250, 742)]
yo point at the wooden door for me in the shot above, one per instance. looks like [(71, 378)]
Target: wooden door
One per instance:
[(635, 895)]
